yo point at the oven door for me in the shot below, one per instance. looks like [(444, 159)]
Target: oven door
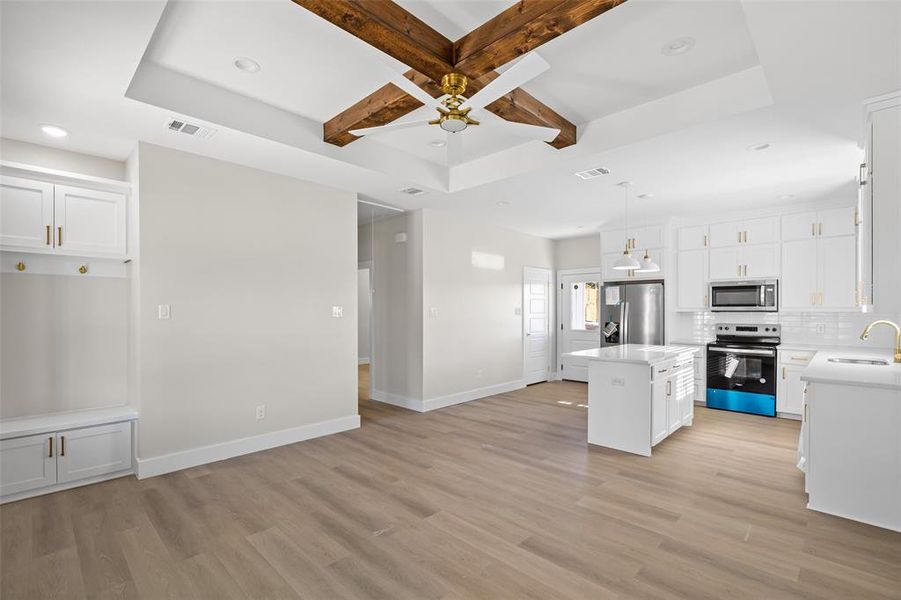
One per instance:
[(743, 296), (742, 378)]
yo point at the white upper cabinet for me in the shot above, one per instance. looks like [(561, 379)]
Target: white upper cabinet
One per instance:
[(799, 274), (26, 213), (89, 222), (745, 262), (739, 233), (693, 238), (691, 280), (647, 237), (837, 271), (824, 223), (613, 241), (37, 216)]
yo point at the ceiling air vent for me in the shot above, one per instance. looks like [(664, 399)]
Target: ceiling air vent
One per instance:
[(191, 129), (412, 191), (592, 173)]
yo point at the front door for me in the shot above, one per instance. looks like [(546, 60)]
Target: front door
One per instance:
[(535, 324), (580, 320)]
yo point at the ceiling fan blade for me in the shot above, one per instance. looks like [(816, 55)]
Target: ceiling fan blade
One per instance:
[(523, 130), (529, 67), (389, 127), (414, 90)]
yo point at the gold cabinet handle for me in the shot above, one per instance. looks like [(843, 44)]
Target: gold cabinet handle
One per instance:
[(48, 234), (820, 232), (50, 452), (783, 372), (746, 237), (59, 236), (739, 237), (739, 270), (705, 240), (669, 387), (705, 300), (62, 446), (800, 358), (20, 266), (813, 229)]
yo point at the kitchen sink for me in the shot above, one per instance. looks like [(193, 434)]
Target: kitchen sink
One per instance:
[(860, 361)]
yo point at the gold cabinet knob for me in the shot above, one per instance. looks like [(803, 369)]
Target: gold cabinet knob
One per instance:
[(20, 266), (83, 269)]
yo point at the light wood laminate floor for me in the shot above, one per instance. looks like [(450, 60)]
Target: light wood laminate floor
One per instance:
[(498, 498)]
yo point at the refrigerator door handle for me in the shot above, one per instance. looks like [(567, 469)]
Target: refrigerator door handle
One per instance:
[(625, 321)]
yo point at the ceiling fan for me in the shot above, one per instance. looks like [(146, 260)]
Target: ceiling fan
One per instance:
[(454, 109)]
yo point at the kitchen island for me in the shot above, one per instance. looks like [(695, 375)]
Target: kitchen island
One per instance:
[(638, 394)]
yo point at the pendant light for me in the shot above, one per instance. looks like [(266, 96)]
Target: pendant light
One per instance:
[(647, 265), (626, 262)]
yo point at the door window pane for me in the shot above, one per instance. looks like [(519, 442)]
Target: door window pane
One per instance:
[(584, 308)]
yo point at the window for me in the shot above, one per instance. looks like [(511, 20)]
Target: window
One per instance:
[(585, 308)]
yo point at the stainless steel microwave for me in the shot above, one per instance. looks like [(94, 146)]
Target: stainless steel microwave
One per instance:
[(761, 295)]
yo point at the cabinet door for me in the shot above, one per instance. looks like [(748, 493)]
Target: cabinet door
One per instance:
[(613, 241), (94, 451), (26, 213), (693, 238), (647, 237), (691, 279), (799, 226), (686, 397), (27, 463), (89, 222), (798, 285), (724, 263), (761, 260), (837, 221), (656, 255), (724, 234), (790, 390), (760, 231), (837, 260), (659, 422), (673, 411)]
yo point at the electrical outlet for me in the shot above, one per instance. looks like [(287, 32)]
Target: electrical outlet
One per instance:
[(337, 312), (164, 312), (261, 412), (820, 328), (618, 382)]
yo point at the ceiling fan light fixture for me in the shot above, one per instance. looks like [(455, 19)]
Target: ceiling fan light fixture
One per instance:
[(248, 65), (678, 46), (453, 123)]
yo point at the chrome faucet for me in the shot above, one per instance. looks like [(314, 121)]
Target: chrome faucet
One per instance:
[(866, 334)]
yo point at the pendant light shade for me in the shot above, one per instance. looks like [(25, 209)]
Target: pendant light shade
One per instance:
[(648, 265), (626, 262)]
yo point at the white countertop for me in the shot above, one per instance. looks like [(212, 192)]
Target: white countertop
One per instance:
[(881, 376), (635, 353), (691, 341), (22, 426)]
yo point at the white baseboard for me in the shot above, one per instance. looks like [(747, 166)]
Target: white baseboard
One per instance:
[(363, 360), (449, 400), (397, 400), (158, 465), (474, 394)]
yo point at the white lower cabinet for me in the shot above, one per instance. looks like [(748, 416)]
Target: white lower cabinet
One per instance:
[(40, 463), (27, 463), (672, 399), (789, 387)]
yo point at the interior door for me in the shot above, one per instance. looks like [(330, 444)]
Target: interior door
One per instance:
[(536, 324), (26, 213), (580, 325)]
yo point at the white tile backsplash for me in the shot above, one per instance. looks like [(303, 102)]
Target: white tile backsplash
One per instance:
[(807, 328)]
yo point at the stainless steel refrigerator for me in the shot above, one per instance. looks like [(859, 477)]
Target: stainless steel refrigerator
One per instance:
[(632, 313)]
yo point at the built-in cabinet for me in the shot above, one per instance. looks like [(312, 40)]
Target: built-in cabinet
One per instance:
[(650, 239), (813, 254), (789, 387), (611, 274), (51, 452), (672, 398), (51, 218)]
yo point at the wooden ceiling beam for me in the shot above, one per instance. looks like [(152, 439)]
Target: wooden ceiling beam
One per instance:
[(520, 29)]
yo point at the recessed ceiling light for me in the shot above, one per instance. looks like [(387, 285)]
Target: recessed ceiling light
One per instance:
[(502, 203), (646, 196), (678, 46), (54, 131), (758, 147), (437, 143), (248, 65), (786, 196)]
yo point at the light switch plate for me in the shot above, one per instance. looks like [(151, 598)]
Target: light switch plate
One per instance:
[(820, 328), (337, 312), (517, 311), (618, 381), (164, 312)]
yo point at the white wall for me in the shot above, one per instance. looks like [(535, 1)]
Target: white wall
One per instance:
[(363, 316), (64, 343), (60, 159), (475, 341), (251, 264), (364, 243), (578, 253)]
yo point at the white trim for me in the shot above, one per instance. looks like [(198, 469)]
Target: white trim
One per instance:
[(474, 394), (9, 167), (150, 467), (58, 487), (62, 421), (363, 360), (579, 271), (883, 525), (449, 400)]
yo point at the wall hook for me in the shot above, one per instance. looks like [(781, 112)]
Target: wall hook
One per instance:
[(20, 266), (83, 269)]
